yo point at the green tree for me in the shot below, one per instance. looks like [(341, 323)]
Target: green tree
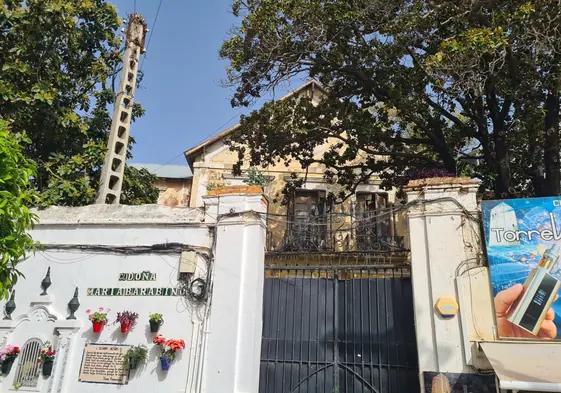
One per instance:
[(15, 194), (467, 87), (59, 60)]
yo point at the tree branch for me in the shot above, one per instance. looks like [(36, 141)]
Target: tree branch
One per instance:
[(388, 153)]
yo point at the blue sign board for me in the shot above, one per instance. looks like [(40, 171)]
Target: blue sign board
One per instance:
[(523, 242)]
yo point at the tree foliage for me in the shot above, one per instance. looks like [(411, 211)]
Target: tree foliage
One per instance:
[(467, 87), (15, 194), (59, 62)]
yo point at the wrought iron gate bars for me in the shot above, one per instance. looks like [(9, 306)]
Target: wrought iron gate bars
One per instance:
[(347, 372)]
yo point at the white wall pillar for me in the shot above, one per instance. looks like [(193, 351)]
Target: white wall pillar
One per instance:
[(66, 331), (234, 329), (442, 238)]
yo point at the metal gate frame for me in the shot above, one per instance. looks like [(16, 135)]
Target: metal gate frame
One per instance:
[(359, 336)]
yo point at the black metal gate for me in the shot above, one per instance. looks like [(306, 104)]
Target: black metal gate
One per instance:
[(338, 329)]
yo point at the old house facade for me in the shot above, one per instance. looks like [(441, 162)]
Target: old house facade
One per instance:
[(173, 182), (306, 223)]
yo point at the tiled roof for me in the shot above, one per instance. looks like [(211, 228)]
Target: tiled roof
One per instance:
[(166, 171)]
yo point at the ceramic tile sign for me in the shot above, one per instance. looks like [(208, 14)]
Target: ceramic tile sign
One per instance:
[(145, 276), (459, 383), (104, 363)]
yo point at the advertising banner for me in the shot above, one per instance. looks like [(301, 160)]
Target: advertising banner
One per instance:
[(523, 241)]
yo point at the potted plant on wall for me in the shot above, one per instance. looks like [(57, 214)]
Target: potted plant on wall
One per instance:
[(169, 350), (156, 321), (7, 356), (136, 356), (98, 318), (127, 319), (46, 358)]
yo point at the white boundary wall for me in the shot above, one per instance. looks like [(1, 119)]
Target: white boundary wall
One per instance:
[(222, 334)]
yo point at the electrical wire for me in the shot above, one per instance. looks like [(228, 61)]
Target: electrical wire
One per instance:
[(381, 213), (219, 129), (161, 248), (59, 261), (215, 132), (151, 33)]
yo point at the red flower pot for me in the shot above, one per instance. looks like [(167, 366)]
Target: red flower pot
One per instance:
[(125, 327), (97, 326)]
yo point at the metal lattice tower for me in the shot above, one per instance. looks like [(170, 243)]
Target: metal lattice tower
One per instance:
[(111, 180)]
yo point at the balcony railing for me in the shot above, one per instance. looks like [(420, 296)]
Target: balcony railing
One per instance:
[(337, 231)]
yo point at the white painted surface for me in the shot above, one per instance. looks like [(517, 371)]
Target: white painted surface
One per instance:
[(234, 339), (539, 370), (238, 265), (440, 243), (446, 259)]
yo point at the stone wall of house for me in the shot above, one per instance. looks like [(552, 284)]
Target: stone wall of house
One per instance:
[(213, 169), (174, 192)]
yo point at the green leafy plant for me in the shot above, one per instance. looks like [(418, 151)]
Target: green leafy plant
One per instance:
[(212, 185), (99, 316), (156, 317), (60, 62), (16, 172), (256, 178), (136, 355), (468, 89)]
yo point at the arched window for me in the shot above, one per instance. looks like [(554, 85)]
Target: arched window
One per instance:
[(28, 369)]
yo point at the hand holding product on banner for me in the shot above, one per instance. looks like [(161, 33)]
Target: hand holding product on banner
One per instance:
[(523, 241)]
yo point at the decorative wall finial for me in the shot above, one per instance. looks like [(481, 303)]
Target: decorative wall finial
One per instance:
[(46, 283), (73, 305), (10, 306)]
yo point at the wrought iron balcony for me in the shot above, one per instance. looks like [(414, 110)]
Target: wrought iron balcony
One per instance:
[(327, 231)]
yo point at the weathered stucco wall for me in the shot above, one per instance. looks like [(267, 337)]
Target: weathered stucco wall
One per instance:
[(89, 247), (213, 168), (173, 192)]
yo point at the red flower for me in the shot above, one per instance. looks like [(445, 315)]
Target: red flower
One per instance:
[(43, 351), (16, 349), (50, 354), (38, 360), (159, 339), (175, 344)]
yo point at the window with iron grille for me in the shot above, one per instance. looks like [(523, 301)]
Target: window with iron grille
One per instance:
[(307, 221), (28, 370), (373, 220)]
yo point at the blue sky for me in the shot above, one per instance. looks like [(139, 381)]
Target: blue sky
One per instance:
[(181, 91)]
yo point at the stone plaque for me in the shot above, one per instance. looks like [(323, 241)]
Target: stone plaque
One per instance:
[(104, 363)]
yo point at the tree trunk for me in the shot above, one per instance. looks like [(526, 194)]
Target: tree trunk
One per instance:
[(551, 145), (502, 183), (537, 163), (502, 158), (533, 139)]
